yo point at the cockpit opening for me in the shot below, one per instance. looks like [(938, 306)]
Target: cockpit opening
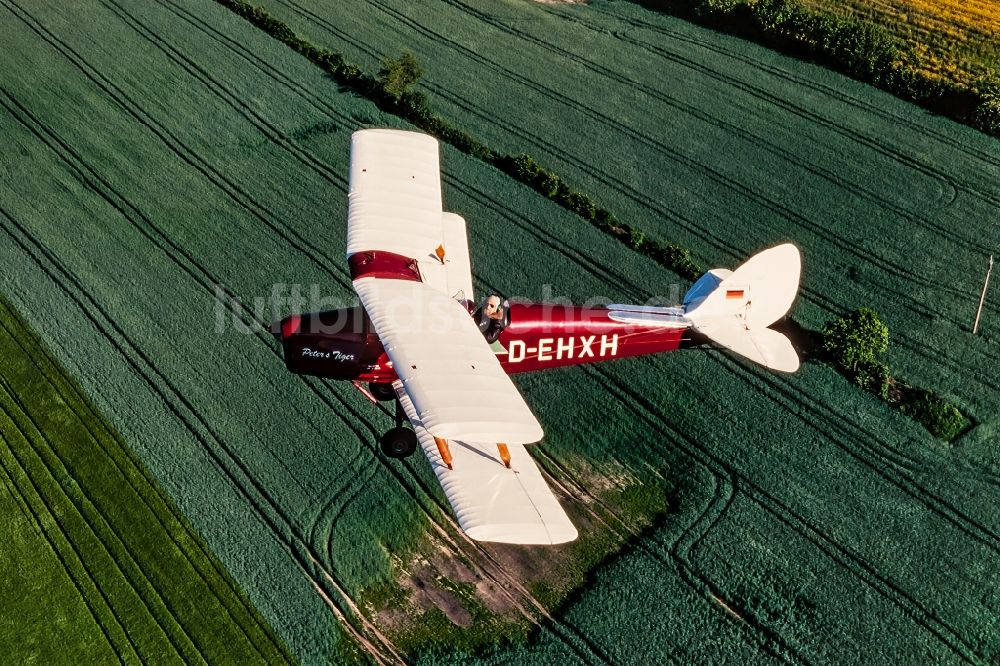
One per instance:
[(492, 317)]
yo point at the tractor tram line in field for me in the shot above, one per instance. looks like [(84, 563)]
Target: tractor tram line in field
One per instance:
[(784, 395), (332, 268), (719, 177), (239, 475), (97, 526), (499, 573), (591, 265), (855, 564), (74, 400), (779, 209), (731, 479), (776, 207), (980, 373), (673, 102), (305, 545), (915, 304), (116, 636), (119, 643), (755, 91), (814, 296), (257, 210), (335, 407), (228, 97), (233, 191), (988, 159), (151, 381), (625, 286), (679, 550), (784, 74), (950, 187), (149, 230)]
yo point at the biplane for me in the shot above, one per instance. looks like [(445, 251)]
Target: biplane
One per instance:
[(419, 340)]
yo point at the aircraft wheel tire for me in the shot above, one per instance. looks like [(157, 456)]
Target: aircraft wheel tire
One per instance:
[(398, 442), (381, 391)]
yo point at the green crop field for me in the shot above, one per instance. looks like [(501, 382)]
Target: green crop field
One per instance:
[(98, 565), (167, 164)]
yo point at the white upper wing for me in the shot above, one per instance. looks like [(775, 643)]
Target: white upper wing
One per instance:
[(458, 388), (492, 502), (395, 197), (451, 384), (395, 206)]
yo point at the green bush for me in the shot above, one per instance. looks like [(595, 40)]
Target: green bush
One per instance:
[(772, 14), (854, 342), (939, 416), (548, 184), (581, 204), (986, 115), (523, 167), (855, 339), (873, 376), (675, 257)]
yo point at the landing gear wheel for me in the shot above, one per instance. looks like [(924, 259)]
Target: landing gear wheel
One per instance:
[(381, 391), (398, 442)]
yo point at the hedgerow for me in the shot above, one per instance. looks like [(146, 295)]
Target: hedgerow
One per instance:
[(860, 49), (385, 91)]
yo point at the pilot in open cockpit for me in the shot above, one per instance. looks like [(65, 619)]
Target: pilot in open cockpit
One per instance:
[(491, 318)]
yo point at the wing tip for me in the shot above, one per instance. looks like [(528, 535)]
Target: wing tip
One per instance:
[(531, 534)]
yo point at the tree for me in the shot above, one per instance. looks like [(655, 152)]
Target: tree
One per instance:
[(857, 338), (398, 75)]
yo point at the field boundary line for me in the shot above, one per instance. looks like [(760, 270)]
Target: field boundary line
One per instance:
[(113, 441), (283, 529)]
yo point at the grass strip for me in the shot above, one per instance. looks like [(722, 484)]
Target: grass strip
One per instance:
[(112, 539)]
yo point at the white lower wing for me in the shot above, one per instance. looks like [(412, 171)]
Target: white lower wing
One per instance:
[(458, 387), (492, 502)]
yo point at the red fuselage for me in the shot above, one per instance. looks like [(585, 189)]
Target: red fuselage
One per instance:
[(341, 344)]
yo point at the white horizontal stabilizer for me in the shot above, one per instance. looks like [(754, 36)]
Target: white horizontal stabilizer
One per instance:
[(734, 309), (760, 292), (762, 345)]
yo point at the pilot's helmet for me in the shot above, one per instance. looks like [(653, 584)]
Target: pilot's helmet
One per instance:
[(492, 304)]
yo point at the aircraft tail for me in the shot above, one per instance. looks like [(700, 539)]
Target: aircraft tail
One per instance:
[(735, 308)]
